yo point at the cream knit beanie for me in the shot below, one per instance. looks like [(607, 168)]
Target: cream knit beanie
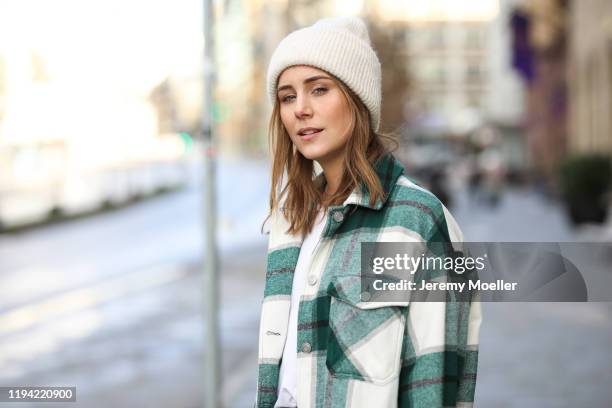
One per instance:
[(340, 46)]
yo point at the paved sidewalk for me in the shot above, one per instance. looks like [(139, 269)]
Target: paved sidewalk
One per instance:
[(538, 354)]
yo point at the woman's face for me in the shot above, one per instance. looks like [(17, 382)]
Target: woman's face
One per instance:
[(310, 101)]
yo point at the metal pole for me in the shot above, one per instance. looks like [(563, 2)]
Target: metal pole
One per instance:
[(212, 355)]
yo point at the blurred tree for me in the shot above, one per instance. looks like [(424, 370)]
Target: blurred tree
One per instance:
[(389, 42)]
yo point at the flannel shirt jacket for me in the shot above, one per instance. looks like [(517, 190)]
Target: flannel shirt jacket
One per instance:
[(353, 353)]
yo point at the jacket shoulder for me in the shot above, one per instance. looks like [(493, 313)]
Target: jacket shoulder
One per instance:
[(279, 238), (414, 207)]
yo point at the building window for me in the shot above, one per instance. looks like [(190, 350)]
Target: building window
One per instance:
[(432, 71), (473, 73), (473, 38), (436, 37), (474, 99), (434, 101)]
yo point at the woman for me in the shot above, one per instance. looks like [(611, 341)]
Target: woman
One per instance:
[(321, 344)]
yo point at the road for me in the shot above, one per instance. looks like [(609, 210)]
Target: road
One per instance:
[(112, 303)]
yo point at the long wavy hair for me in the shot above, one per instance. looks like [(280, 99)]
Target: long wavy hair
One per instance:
[(304, 197)]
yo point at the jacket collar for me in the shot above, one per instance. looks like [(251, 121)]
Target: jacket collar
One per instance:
[(388, 169)]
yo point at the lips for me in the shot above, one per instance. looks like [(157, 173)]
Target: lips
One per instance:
[(308, 133)]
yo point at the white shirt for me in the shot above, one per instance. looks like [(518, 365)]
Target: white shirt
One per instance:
[(287, 380)]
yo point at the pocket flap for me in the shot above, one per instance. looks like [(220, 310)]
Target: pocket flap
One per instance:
[(349, 289), (365, 338)]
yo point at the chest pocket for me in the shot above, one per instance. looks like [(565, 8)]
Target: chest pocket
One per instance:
[(365, 339)]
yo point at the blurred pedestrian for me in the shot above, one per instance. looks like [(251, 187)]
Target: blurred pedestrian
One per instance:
[(491, 166), (320, 342), (474, 178), (437, 185)]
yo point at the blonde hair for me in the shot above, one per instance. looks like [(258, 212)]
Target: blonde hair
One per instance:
[(304, 199)]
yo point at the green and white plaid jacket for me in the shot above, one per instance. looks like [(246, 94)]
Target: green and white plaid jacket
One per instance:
[(367, 354)]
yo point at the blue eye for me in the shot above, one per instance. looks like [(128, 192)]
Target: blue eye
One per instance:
[(318, 91), (285, 98)]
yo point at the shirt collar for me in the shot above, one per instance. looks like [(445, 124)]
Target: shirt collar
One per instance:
[(388, 169)]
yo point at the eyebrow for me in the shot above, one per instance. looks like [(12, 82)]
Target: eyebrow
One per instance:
[(307, 80)]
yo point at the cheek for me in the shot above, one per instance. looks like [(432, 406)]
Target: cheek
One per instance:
[(288, 124), (343, 124), (340, 111), (285, 118)]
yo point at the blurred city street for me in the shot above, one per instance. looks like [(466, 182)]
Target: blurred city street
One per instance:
[(122, 322), (112, 303), (500, 108)]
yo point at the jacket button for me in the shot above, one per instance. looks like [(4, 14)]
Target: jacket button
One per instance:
[(338, 216), (312, 280), (306, 347)]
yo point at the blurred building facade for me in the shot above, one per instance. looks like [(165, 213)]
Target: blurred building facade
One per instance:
[(445, 54), (504, 101), (433, 58), (448, 62), (590, 36), (539, 30), (563, 52)]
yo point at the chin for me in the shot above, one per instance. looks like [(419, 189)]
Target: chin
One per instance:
[(313, 153)]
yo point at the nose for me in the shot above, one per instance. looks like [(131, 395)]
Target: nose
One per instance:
[(302, 107)]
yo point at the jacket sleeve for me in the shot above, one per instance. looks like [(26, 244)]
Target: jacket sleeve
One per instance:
[(440, 349)]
